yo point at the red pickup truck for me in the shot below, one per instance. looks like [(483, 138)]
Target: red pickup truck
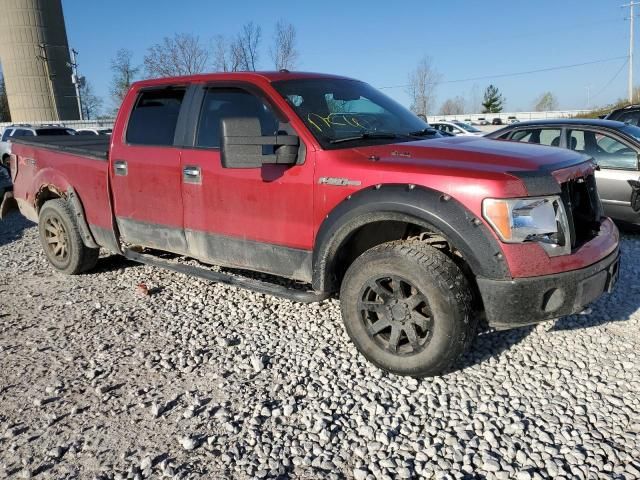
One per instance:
[(324, 180)]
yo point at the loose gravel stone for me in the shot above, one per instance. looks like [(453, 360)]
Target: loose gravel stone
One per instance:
[(188, 443), (202, 380)]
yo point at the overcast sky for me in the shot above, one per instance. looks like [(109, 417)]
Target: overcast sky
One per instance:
[(380, 42)]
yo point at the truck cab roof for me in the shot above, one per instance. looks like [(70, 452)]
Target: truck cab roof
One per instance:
[(269, 76)]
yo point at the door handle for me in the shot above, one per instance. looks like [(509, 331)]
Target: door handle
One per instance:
[(191, 174), (120, 168)]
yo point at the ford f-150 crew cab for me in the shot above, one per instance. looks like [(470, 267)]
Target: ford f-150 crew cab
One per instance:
[(324, 180)]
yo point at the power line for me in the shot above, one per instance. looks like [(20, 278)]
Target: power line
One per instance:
[(624, 64), (514, 74)]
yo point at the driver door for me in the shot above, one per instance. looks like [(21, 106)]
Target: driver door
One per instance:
[(618, 162), (257, 218)]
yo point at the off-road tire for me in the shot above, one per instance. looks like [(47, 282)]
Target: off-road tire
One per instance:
[(74, 257), (444, 321)]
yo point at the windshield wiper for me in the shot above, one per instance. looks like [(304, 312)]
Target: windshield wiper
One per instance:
[(424, 132), (365, 135)]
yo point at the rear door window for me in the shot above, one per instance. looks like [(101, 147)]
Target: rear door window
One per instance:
[(443, 127), (155, 116), (540, 136), (632, 118)]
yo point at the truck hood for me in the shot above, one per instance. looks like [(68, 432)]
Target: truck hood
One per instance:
[(476, 154)]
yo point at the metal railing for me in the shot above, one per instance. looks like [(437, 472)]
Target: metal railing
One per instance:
[(504, 116)]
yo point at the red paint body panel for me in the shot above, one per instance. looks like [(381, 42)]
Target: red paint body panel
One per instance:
[(530, 259), (286, 205), (62, 170), (272, 204), (151, 191)]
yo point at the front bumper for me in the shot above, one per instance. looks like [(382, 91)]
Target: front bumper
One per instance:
[(523, 301)]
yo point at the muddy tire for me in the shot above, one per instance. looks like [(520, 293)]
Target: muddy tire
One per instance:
[(408, 308), (61, 239)]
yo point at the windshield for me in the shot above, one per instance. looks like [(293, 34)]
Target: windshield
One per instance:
[(467, 127), (632, 131), (339, 112)]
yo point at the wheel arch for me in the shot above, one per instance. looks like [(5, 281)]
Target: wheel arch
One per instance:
[(415, 206), (49, 191)]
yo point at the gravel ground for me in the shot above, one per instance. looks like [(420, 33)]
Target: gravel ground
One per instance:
[(198, 380)]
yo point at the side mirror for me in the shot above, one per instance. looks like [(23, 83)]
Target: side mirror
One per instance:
[(242, 142)]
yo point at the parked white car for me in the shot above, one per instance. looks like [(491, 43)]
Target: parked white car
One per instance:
[(459, 129), (5, 146)]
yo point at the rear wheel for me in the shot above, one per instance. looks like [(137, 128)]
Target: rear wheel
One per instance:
[(61, 239), (407, 308)]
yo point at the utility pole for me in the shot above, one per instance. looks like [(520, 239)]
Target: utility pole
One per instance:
[(76, 80), (588, 89), (631, 21)]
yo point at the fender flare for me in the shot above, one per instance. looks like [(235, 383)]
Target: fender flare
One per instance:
[(434, 210), (83, 225), (49, 179)]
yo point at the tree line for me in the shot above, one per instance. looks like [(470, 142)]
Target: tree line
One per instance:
[(422, 87)]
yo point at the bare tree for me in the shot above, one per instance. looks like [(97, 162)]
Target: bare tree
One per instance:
[(452, 106), (91, 103), (221, 54), (182, 54), (283, 51), (124, 74), (473, 105), (244, 49), (545, 102), (422, 85)]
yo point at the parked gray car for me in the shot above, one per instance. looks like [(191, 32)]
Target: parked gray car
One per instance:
[(615, 147)]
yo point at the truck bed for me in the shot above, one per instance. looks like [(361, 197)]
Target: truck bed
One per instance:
[(96, 146)]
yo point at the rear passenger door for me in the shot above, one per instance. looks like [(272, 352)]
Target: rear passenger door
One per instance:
[(146, 178), (618, 162)]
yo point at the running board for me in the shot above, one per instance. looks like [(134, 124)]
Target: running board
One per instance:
[(302, 296)]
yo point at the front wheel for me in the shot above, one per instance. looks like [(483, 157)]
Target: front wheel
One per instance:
[(408, 308), (61, 239)]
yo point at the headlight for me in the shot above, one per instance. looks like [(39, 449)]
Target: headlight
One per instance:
[(531, 219)]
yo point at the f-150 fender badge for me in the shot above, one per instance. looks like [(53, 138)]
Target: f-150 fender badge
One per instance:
[(396, 153), (339, 182)]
